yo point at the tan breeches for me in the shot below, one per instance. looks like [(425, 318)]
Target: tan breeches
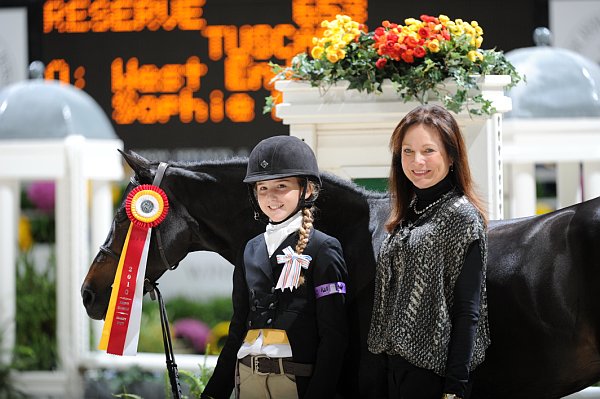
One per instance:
[(265, 386)]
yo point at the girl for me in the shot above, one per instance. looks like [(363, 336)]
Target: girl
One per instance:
[(288, 333)]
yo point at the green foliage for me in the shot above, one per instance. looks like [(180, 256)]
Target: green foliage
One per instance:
[(135, 383), (210, 312), (196, 382), (150, 339), (36, 346), (43, 227), (7, 387)]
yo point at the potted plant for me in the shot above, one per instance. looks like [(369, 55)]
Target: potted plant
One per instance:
[(424, 59)]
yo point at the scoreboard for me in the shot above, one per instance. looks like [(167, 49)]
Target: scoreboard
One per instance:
[(186, 79)]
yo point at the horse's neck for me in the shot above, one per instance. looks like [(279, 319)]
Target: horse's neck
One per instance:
[(220, 206)]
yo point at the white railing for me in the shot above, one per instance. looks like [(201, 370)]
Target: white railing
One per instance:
[(566, 142)]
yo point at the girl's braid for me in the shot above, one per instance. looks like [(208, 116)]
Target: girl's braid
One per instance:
[(307, 224)]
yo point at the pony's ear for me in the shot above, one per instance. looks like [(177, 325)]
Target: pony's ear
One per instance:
[(139, 164)]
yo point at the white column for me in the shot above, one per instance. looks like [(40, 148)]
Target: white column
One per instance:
[(483, 138), (568, 184), (591, 180), (523, 198), (71, 243), (9, 213), (101, 218), (307, 132)]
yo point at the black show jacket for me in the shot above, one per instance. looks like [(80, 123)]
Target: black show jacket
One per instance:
[(316, 328)]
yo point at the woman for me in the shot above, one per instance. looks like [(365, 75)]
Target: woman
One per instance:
[(430, 307)]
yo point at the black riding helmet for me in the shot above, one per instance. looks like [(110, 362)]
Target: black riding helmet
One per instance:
[(278, 157)]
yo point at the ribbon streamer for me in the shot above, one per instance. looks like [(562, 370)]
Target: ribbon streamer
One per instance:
[(146, 207), (293, 263)]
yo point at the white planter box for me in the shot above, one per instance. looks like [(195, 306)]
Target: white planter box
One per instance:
[(350, 131)]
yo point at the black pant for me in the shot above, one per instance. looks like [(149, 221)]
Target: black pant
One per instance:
[(406, 381)]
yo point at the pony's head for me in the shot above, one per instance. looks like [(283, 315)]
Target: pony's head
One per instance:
[(170, 241)]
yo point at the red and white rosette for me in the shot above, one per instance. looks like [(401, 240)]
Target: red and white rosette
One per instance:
[(146, 206)]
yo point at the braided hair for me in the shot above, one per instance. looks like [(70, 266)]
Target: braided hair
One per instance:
[(306, 226)]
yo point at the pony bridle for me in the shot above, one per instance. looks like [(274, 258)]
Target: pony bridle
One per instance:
[(160, 172)]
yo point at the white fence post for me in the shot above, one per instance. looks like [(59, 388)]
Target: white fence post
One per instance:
[(9, 213)]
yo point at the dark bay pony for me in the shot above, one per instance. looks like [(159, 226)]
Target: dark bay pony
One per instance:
[(542, 275)]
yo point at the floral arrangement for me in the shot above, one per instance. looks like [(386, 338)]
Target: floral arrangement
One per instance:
[(416, 57)]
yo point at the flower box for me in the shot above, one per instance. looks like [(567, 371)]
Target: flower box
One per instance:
[(350, 130), (337, 103)]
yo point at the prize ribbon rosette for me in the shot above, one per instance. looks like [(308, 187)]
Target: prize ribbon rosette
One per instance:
[(146, 207)]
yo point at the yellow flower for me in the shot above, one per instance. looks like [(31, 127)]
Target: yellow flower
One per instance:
[(316, 52), (456, 30), (443, 18), (474, 56), (478, 41), (339, 33), (348, 37), (343, 18), (332, 57), (334, 54), (411, 21), (25, 237), (217, 338), (433, 45)]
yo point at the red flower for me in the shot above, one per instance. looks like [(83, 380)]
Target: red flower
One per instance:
[(411, 41), (381, 63), (428, 18), (379, 31), (419, 52), (424, 32), (407, 56)]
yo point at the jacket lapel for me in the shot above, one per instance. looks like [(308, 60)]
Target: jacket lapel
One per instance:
[(262, 253)]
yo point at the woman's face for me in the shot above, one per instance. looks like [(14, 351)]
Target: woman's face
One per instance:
[(278, 198), (424, 158)]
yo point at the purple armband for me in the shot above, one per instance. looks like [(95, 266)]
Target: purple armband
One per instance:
[(331, 288)]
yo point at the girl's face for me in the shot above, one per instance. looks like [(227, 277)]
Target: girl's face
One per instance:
[(278, 198), (424, 158)]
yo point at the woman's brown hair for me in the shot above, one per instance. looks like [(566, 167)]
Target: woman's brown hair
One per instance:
[(401, 188)]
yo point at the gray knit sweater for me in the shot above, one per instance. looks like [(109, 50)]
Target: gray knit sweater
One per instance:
[(417, 269)]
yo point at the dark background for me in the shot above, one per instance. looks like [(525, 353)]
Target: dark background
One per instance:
[(507, 25)]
